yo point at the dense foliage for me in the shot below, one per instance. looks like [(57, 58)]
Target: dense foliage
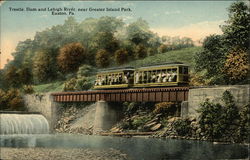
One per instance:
[(57, 52), (223, 59), (11, 100), (224, 121)]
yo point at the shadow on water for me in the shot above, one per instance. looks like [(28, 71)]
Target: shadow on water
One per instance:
[(137, 148)]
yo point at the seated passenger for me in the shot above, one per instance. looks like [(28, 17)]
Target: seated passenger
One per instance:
[(153, 77), (168, 76), (164, 76), (137, 77), (173, 77), (159, 77)]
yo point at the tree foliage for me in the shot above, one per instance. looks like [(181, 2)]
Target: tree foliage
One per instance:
[(236, 66), (70, 57), (237, 28), (224, 57), (43, 67), (102, 58), (121, 56)]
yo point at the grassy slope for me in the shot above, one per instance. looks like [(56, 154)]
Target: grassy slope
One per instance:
[(183, 55), (49, 87)]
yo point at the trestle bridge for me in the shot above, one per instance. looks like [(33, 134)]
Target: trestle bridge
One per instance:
[(165, 94)]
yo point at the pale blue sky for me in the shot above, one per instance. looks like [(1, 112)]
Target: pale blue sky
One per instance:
[(195, 19)]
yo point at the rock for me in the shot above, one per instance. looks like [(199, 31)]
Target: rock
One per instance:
[(156, 127), (148, 125), (171, 120), (115, 130)]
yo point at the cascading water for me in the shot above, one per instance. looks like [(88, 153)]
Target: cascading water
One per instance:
[(23, 124)]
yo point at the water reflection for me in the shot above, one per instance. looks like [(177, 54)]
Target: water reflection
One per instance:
[(137, 148)]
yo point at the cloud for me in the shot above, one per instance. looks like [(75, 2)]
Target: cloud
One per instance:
[(172, 12), (125, 18), (195, 31)]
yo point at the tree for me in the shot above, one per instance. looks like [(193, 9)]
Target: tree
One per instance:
[(138, 32), (25, 75), (102, 58), (140, 51), (237, 28), (70, 57), (12, 77), (212, 57), (236, 65), (43, 67), (121, 56)]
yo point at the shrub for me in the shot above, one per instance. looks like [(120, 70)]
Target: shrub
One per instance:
[(182, 127), (11, 100), (130, 107), (28, 89), (216, 120), (165, 108), (82, 83), (78, 84), (140, 121), (85, 70), (69, 85), (243, 131)]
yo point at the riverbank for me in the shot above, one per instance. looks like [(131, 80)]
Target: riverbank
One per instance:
[(60, 154)]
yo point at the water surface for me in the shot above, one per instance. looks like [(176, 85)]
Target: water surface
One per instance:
[(138, 148)]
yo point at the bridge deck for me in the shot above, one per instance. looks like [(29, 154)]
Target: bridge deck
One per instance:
[(167, 94)]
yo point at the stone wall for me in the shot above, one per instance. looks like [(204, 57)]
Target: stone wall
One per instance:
[(199, 95), (43, 103)]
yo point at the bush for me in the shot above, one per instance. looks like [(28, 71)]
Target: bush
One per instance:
[(182, 127), (140, 121), (11, 100), (78, 84), (28, 89), (217, 121), (168, 108), (243, 131), (210, 122), (85, 70)]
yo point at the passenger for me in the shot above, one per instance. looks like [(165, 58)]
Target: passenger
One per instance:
[(168, 76), (137, 77), (153, 77), (103, 80), (120, 79), (173, 77), (164, 76), (159, 77), (145, 77)]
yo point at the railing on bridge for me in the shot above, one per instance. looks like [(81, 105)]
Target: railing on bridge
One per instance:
[(168, 94)]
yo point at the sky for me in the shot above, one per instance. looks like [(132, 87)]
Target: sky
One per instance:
[(194, 19)]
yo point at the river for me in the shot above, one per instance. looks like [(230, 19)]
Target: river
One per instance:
[(137, 148)]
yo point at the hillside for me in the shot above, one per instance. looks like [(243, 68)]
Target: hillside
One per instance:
[(183, 55)]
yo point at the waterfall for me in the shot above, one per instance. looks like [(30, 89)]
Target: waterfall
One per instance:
[(23, 124)]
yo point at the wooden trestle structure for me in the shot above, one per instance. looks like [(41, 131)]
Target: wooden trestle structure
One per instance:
[(167, 94)]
